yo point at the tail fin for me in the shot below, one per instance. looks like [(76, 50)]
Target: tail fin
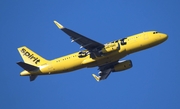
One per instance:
[(31, 57)]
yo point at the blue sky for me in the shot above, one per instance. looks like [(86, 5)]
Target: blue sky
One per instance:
[(152, 83)]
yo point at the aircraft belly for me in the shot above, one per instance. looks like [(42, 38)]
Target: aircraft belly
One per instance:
[(103, 60), (109, 60)]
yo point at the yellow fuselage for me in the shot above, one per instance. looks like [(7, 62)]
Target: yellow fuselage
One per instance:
[(73, 62)]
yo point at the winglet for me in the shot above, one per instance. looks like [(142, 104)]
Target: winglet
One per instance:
[(96, 77), (58, 25)]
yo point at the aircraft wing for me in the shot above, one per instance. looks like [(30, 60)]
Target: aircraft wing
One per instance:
[(83, 41), (105, 71)]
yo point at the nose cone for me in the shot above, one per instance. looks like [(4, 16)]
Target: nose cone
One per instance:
[(164, 37)]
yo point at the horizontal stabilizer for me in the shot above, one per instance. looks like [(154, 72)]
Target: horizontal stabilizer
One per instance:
[(96, 77), (27, 67), (32, 77)]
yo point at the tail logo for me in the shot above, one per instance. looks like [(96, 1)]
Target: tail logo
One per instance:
[(30, 56)]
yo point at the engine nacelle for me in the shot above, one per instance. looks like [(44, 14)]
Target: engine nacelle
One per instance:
[(123, 65), (110, 47)]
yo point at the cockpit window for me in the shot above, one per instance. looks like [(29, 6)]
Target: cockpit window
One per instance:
[(155, 32)]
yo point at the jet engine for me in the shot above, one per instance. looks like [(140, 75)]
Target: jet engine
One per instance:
[(110, 47), (122, 65)]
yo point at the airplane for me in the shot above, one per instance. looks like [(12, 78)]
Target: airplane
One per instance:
[(95, 54)]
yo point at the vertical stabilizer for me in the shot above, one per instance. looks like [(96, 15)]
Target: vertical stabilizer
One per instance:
[(31, 57)]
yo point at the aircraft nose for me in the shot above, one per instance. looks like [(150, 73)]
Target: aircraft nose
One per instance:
[(164, 37)]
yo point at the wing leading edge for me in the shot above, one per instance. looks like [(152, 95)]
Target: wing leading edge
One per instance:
[(83, 41)]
